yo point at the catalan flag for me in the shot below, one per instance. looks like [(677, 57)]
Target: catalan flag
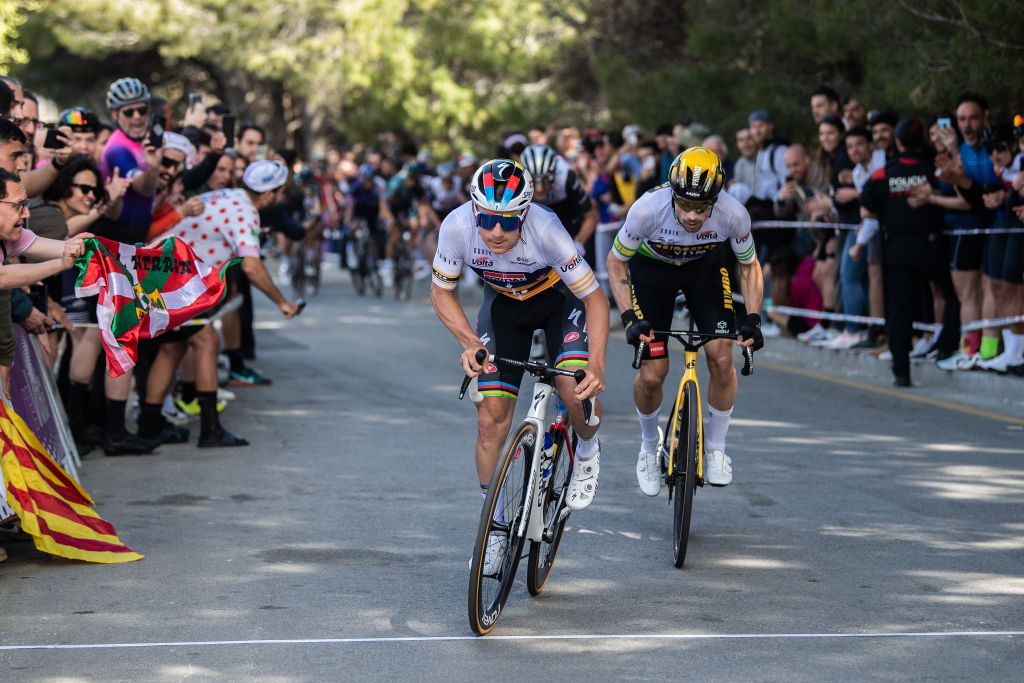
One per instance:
[(144, 292), (51, 506)]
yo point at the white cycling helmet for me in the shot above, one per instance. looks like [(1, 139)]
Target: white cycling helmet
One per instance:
[(540, 161), (502, 186), (126, 91)]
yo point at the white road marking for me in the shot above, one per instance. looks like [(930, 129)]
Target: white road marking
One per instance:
[(588, 637)]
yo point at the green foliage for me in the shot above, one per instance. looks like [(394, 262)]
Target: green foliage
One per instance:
[(458, 73)]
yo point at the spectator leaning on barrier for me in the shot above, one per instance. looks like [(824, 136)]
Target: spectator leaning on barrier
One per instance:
[(913, 253), (228, 228), (853, 266)]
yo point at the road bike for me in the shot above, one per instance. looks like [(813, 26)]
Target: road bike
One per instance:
[(364, 267), (526, 500), (404, 265), (682, 463)]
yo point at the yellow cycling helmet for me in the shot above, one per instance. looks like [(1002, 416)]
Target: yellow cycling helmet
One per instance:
[(696, 175)]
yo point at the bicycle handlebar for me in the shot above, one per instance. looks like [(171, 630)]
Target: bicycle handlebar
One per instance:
[(539, 370), (748, 354)]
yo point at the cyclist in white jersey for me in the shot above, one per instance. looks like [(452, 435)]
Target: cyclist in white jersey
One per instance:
[(535, 279), (679, 230)]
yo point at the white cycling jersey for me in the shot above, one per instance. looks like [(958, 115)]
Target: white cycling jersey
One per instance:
[(544, 256), (652, 229)]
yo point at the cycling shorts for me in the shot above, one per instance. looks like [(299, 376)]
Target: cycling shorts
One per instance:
[(505, 326), (1004, 258), (704, 283), (966, 251)]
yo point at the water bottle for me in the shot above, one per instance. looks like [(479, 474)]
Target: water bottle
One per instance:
[(546, 457)]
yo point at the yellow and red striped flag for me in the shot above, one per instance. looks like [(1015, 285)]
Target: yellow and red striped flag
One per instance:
[(51, 506)]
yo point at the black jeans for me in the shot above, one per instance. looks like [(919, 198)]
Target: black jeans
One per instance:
[(910, 263)]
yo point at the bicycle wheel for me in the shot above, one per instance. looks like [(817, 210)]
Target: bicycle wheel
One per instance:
[(542, 553), (500, 518), (685, 442)]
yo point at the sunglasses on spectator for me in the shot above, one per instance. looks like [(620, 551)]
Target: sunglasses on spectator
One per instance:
[(20, 206), (87, 189), (509, 222), (169, 163), (130, 112), (699, 208)]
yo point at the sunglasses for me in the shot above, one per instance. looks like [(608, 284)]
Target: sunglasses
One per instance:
[(699, 208), (130, 112), (509, 222), (87, 189), (169, 163), (19, 206)]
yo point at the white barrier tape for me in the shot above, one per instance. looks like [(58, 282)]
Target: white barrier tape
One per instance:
[(868, 320), (761, 225)]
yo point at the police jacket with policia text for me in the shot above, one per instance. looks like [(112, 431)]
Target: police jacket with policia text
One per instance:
[(886, 193)]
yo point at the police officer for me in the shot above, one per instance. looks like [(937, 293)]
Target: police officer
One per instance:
[(913, 252)]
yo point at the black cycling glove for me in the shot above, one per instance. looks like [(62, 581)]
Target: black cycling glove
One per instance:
[(751, 329), (634, 327)]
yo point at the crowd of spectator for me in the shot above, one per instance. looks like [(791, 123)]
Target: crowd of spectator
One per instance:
[(873, 216)]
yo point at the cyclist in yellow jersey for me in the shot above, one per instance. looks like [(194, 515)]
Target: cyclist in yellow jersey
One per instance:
[(679, 230)]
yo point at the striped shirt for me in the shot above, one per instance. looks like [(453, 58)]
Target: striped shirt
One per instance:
[(544, 256)]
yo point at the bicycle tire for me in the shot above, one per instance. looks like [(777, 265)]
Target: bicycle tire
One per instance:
[(484, 606), (684, 429), (542, 554)]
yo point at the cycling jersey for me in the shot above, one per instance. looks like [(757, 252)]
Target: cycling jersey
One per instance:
[(543, 257), (651, 228), (567, 198)]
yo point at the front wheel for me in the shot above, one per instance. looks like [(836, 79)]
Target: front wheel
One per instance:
[(685, 442), (498, 533), (556, 514)]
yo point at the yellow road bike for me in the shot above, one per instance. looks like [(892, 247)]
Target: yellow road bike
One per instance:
[(683, 455)]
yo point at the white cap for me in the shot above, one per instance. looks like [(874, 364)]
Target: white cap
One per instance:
[(263, 175), (182, 144)]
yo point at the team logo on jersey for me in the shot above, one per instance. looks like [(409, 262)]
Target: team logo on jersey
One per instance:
[(571, 264), (504, 277), (483, 262), (524, 261), (571, 337), (706, 235), (722, 327)]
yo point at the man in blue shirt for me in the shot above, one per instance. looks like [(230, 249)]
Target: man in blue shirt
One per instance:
[(971, 171)]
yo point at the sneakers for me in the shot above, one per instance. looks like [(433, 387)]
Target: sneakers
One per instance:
[(870, 343), (225, 395), (719, 468), (129, 444), (192, 407), (247, 377), (923, 347), (843, 340), (958, 361), (901, 381), (768, 329), (583, 484), (826, 338), (497, 548), (648, 468), (813, 334), (173, 414), (1001, 363)]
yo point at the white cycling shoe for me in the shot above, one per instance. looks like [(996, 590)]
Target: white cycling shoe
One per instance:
[(648, 468), (497, 548), (719, 468), (583, 484)]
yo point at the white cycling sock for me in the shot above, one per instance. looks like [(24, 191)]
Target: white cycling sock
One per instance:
[(1015, 347), (649, 429), (585, 448), (716, 428)]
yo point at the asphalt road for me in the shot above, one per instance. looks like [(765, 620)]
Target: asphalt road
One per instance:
[(865, 536)]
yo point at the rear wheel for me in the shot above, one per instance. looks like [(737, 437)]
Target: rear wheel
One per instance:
[(500, 520), (542, 554), (684, 441)]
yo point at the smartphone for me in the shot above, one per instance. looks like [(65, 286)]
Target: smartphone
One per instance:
[(37, 293), (944, 123), (194, 99), (262, 151), (156, 132), (54, 139), (227, 124)]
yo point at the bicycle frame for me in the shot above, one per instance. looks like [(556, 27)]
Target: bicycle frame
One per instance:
[(533, 524), (690, 375)]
